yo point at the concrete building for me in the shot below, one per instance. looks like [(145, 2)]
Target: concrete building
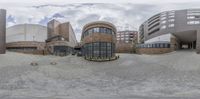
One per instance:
[(170, 30), (98, 40), (26, 38), (61, 38), (125, 41), (2, 31)]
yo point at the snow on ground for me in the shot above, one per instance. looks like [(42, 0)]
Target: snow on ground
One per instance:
[(174, 75)]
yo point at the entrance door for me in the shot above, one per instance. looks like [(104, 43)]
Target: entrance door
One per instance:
[(188, 45)]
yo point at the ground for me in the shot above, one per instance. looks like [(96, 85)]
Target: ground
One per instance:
[(174, 75)]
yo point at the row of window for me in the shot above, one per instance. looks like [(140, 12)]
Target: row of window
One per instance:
[(193, 22), (154, 31), (164, 26), (193, 12), (99, 49), (170, 20), (153, 18), (124, 35), (158, 45), (98, 30), (164, 18), (193, 17)]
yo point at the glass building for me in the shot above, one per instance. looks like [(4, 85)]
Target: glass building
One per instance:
[(98, 40)]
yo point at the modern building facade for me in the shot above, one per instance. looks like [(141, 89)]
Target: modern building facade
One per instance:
[(61, 38), (125, 41), (98, 41), (2, 31), (26, 38), (170, 30)]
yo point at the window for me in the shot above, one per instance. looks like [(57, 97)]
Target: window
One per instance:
[(193, 22), (163, 15), (99, 49), (190, 17), (171, 20), (96, 30), (193, 17), (90, 31), (171, 16), (163, 18), (171, 25), (109, 31), (161, 45), (163, 27), (163, 22)]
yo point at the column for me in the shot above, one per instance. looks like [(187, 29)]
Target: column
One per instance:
[(198, 42), (2, 31)]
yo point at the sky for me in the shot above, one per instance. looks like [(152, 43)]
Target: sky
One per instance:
[(124, 14)]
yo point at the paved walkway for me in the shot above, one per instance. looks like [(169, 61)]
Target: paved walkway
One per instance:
[(174, 75)]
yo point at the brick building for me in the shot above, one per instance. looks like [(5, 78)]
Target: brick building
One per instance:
[(125, 41), (98, 41), (61, 38)]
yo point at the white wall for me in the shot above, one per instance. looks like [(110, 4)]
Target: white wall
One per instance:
[(26, 32), (165, 37)]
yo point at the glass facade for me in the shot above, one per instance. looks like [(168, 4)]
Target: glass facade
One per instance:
[(156, 45), (98, 30), (62, 50), (99, 50)]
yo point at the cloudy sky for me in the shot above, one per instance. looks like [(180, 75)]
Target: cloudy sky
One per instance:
[(125, 14)]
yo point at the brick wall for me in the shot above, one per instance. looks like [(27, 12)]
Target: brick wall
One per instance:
[(153, 50), (124, 48), (99, 37)]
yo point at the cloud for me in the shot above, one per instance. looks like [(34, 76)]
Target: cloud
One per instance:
[(123, 15)]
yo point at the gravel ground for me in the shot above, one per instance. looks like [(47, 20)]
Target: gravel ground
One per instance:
[(174, 75)]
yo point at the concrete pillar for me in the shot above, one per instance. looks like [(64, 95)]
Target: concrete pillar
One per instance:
[(198, 42), (2, 31)]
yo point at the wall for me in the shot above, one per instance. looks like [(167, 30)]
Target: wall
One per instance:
[(53, 28), (40, 47), (153, 50), (26, 32), (124, 47), (2, 31)]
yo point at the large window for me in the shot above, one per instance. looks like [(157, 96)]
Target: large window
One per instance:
[(99, 49), (98, 30)]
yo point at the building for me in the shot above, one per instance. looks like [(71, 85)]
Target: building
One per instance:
[(170, 30), (61, 38), (2, 31), (125, 41), (26, 38), (98, 41)]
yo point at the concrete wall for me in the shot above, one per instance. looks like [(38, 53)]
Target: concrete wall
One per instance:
[(38, 45), (72, 36), (2, 31), (198, 42), (182, 30), (53, 28), (60, 34), (18, 47), (64, 30), (26, 32)]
